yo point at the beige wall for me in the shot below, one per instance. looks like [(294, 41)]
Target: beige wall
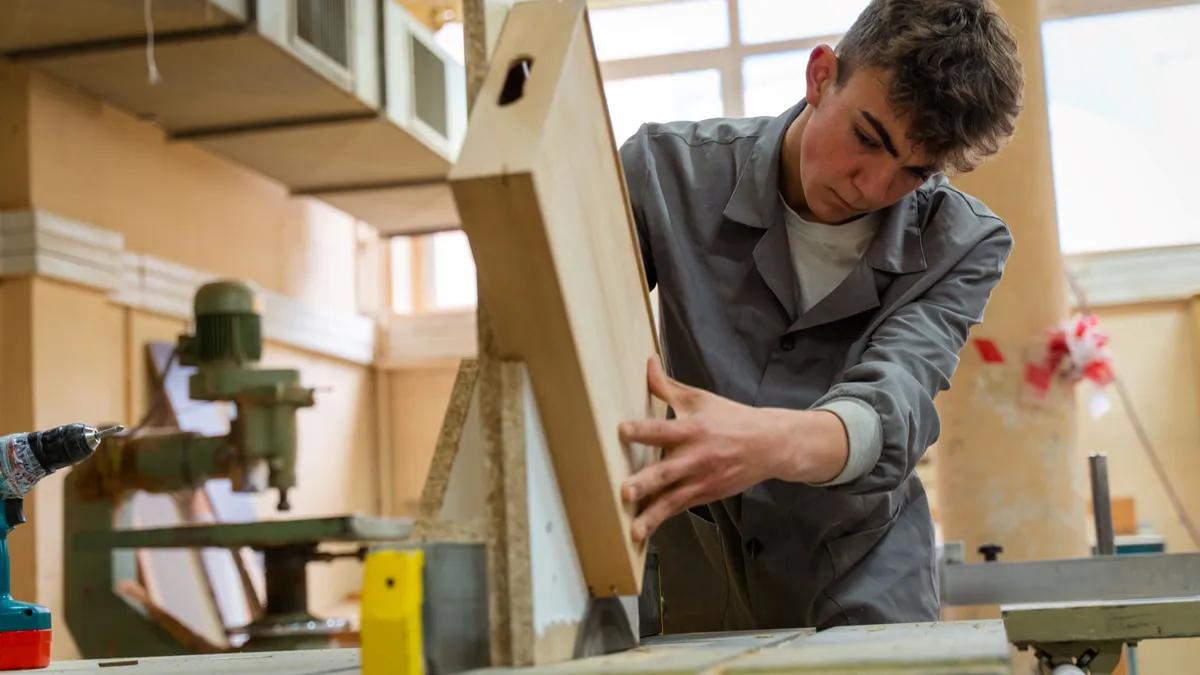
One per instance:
[(90, 162), (68, 353), (418, 399)]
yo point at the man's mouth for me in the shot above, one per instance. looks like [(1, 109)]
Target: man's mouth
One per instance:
[(842, 202)]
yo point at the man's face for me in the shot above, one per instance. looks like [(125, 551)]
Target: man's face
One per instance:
[(855, 153)]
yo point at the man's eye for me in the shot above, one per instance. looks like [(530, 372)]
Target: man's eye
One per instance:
[(864, 139)]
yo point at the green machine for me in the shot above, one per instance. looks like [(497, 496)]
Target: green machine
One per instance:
[(106, 620)]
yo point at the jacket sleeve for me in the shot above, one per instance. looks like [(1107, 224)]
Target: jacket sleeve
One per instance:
[(911, 357), (638, 165)]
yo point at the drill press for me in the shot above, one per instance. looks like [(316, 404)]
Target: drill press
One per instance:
[(258, 453), (25, 459)]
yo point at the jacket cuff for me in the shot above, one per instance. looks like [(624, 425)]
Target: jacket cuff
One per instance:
[(864, 431)]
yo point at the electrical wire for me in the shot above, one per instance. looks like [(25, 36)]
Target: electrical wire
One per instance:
[(1139, 429)]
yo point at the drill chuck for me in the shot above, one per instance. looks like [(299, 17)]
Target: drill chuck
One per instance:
[(27, 458)]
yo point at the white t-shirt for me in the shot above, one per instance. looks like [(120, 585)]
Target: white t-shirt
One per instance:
[(823, 256)]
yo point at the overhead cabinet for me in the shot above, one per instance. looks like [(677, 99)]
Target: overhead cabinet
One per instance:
[(29, 27), (352, 101)]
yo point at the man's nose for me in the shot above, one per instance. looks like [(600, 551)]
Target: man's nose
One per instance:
[(873, 182)]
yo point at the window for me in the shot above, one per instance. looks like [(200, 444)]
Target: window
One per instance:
[(773, 82), (451, 270), (662, 98), (432, 273), (659, 28), (403, 291), (1123, 169), (765, 21)]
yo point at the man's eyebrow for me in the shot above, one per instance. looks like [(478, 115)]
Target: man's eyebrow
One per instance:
[(883, 134), (886, 138)]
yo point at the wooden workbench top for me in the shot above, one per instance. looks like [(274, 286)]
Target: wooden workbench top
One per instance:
[(966, 648)]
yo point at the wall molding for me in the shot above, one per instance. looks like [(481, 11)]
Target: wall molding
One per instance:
[(39, 243)]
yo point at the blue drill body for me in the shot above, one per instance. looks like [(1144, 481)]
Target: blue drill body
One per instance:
[(15, 615)]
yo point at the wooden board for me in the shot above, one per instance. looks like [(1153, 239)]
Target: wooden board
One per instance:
[(491, 466), (542, 198)]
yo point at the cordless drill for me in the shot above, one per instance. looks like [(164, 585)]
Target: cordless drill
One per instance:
[(25, 459)]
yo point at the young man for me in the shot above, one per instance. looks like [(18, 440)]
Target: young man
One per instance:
[(818, 277)]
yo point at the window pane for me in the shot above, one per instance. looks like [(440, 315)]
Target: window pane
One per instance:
[(773, 82), (402, 274), (659, 28), (775, 20), (1124, 170), (690, 95), (453, 271)]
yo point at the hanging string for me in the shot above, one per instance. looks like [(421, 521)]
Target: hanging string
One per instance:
[(150, 63)]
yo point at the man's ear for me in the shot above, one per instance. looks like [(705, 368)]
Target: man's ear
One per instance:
[(821, 74)]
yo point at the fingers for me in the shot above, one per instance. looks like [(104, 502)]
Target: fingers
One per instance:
[(668, 504), (655, 432), (665, 388), (656, 478)]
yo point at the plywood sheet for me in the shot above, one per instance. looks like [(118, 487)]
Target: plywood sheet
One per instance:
[(542, 198)]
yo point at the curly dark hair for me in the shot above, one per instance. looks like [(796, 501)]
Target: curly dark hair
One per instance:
[(955, 73)]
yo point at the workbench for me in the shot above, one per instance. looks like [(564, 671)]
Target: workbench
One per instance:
[(962, 648)]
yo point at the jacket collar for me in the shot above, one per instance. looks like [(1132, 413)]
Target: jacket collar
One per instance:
[(755, 202)]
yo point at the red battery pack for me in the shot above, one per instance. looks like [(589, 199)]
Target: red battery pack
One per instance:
[(24, 649)]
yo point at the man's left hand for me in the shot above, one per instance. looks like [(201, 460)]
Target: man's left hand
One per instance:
[(716, 448)]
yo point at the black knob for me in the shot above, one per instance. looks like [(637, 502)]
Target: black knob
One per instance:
[(990, 552)]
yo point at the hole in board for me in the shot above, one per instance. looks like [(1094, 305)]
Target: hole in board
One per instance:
[(390, 582), (514, 82)]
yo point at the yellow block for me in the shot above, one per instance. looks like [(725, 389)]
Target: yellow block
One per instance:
[(390, 632)]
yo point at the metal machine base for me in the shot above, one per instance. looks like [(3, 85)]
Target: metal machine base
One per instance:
[(99, 559), (605, 629)]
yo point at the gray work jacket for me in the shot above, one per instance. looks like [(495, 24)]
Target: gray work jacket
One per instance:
[(705, 197)]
